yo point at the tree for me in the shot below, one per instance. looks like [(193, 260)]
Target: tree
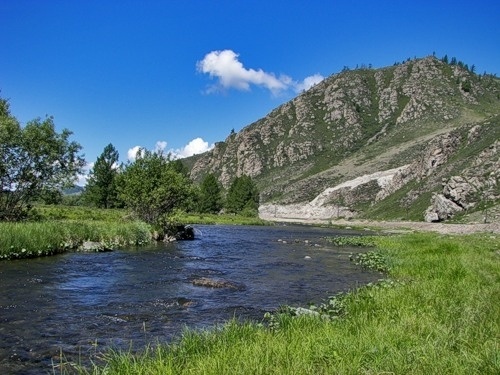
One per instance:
[(210, 194), (101, 187), (243, 195), (152, 187), (180, 167), (33, 160)]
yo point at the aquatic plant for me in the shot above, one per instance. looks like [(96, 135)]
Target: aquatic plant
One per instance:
[(362, 241)]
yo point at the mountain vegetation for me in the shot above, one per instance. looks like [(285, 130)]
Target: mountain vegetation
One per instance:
[(417, 140)]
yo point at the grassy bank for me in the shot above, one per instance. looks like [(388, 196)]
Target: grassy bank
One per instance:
[(438, 313), (31, 239), (55, 229)]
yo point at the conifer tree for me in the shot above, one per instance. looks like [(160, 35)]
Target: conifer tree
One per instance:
[(242, 195), (101, 187), (210, 194)]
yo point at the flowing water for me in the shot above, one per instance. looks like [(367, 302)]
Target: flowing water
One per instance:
[(79, 304)]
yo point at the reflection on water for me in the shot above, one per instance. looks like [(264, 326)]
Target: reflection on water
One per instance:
[(77, 302)]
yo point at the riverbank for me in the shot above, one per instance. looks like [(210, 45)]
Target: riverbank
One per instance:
[(435, 312), (56, 229), (400, 226), (35, 239)]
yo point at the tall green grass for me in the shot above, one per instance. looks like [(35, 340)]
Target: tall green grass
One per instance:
[(31, 239), (61, 212), (438, 314), (227, 219)]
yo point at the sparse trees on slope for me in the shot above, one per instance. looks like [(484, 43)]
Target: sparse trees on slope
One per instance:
[(33, 160), (101, 187)]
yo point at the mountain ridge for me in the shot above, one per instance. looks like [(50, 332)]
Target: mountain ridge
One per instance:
[(355, 123)]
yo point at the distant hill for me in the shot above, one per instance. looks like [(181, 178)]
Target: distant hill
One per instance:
[(75, 190), (417, 140)]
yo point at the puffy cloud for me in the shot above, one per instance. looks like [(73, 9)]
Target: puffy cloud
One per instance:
[(230, 73), (132, 152), (194, 147), (160, 146), (308, 82)]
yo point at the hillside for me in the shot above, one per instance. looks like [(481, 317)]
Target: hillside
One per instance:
[(417, 140)]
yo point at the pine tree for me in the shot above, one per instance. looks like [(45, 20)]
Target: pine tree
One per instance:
[(242, 195), (101, 187), (210, 194)]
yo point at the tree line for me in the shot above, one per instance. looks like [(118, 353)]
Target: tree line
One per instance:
[(37, 163)]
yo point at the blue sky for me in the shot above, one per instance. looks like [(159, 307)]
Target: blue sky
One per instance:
[(165, 73)]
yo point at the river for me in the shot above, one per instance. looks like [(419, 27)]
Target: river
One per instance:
[(80, 304)]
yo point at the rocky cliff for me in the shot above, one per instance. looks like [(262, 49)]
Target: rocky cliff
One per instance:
[(422, 134)]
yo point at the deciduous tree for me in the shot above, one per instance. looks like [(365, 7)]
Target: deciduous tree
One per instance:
[(152, 187), (33, 159)]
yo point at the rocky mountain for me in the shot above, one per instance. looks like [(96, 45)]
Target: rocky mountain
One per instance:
[(416, 140)]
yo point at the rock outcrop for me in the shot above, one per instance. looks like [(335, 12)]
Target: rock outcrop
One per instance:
[(477, 185), (423, 122)]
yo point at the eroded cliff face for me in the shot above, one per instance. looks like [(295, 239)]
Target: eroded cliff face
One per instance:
[(357, 123), (477, 185)]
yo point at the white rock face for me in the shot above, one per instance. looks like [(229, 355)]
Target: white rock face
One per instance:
[(319, 208)]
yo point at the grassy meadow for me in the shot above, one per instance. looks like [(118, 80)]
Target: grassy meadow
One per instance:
[(437, 312), (59, 228)]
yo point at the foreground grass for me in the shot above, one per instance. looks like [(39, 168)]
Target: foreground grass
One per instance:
[(438, 314), (31, 239)]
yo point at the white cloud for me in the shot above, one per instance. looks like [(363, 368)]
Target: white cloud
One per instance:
[(308, 82), (83, 177), (230, 73), (132, 152), (194, 147), (160, 146)]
